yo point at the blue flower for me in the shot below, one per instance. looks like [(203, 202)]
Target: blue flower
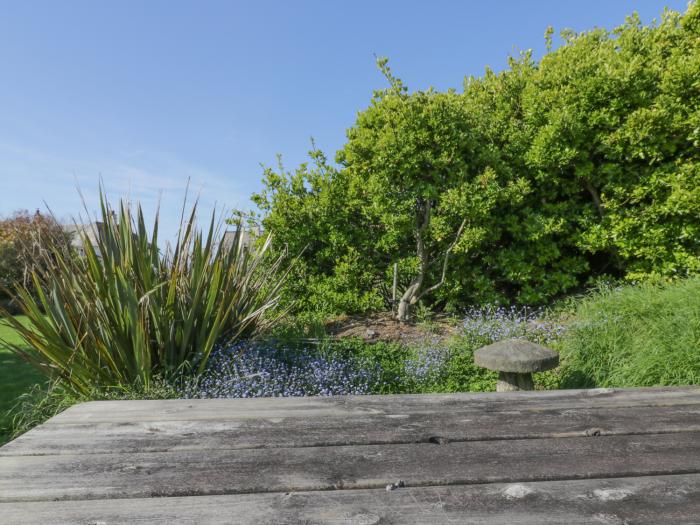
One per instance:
[(493, 323), (250, 370)]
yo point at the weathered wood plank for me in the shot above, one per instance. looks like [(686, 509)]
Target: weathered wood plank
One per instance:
[(456, 425), (224, 409), (646, 500), (26, 478)]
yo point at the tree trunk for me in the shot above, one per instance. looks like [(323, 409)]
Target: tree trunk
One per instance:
[(408, 299), (412, 293), (416, 289), (403, 311), (596, 197)]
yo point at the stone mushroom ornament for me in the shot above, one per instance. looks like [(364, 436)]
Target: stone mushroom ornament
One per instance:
[(515, 360)]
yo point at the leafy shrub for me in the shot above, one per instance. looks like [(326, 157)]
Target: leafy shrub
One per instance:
[(389, 361), (124, 312), (583, 163), (316, 215), (462, 375), (643, 335), (24, 241)]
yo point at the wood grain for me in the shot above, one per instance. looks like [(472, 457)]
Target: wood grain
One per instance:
[(456, 425), (611, 456), (187, 473), (642, 501), (350, 406)]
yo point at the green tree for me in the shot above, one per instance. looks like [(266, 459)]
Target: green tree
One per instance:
[(315, 212), (24, 240), (410, 159), (524, 186), (616, 120)]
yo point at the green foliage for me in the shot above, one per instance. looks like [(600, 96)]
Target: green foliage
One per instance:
[(388, 358), (462, 375), (16, 377), (584, 163), (10, 268), (313, 213), (414, 161), (124, 312), (647, 334), (24, 240), (421, 368), (614, 119), (643, 335), (36, 405), (424, 315)]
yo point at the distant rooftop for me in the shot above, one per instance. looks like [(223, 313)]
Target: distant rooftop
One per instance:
[(248, 236), (77, 232)]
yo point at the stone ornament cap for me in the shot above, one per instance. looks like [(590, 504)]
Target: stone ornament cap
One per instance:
[(516, 355)]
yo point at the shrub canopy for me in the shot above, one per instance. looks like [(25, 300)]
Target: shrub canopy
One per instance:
[(24, 241), (584, 163)]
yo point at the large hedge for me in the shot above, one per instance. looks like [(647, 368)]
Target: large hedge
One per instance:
[(581, 164)]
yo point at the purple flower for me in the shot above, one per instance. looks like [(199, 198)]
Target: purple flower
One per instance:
[(427, 364), (494, 323), (247, 370)]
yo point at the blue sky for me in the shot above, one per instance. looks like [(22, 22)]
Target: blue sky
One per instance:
[(146, 94)]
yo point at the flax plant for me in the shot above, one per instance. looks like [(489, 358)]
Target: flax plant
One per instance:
[(126, 312)]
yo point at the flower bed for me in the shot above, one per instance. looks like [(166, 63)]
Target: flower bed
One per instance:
[(351, 366)]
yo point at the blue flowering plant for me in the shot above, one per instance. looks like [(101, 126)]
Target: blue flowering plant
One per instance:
[(267, 370), (352, 366), (485, 325)]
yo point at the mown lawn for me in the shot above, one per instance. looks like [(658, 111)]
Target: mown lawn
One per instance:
[(16, 377)]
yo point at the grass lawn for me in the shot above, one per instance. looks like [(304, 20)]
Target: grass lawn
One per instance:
[(16, 377)]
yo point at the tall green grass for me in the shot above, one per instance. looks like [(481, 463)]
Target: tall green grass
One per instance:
[(642, 335), (16, 378), (124, 312)]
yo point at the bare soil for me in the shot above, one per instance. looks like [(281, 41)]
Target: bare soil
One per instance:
[(383, 327)]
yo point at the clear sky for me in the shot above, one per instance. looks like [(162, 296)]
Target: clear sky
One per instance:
[(146, 94)]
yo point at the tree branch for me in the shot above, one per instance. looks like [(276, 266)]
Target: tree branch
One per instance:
[(596, 197), (445, 261), (420, 241)]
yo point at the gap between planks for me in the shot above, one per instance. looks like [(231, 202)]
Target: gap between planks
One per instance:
[(185, 473), (133, 438)]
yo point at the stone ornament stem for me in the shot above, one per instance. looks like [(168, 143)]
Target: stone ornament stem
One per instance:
[(515, 360), (511, 381)]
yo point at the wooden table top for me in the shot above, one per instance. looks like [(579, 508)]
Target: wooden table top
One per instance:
[(606, 456)]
